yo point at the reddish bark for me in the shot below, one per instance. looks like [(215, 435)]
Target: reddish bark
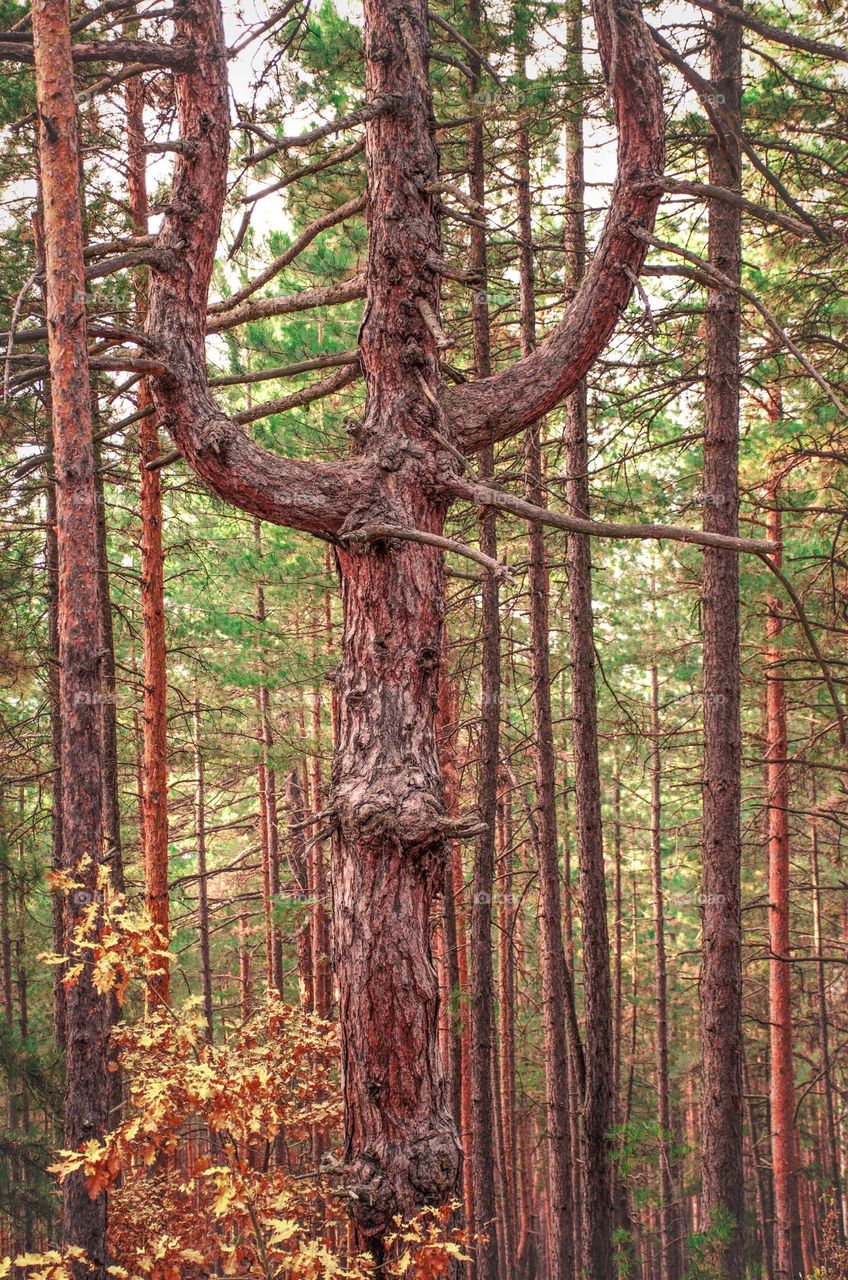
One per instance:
[(506, 1000), (788, 1261), (722, 1182), (154, 796), (83, 1218)]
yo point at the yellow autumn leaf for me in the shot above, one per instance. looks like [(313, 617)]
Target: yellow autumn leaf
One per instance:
[(282, 1229)]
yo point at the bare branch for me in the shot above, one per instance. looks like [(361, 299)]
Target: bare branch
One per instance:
[(327, 220), (385, 532), (494, 408), (484, 496)]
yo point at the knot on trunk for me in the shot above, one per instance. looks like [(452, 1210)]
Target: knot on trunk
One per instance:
[(407, 1178), (391, 811)]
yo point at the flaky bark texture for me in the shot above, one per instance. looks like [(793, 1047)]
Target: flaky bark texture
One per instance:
[(400, 1139), (83, 1219), (389, 856), (721, 969)]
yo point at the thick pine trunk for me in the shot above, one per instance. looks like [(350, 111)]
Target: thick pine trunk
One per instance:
[(84, 1218), (400, 1141), (722, 1183), (784, 1140)]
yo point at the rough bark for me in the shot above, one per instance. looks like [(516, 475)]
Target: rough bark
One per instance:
[(400, 1140), (51, 565), (83, 1218), (721, 968)]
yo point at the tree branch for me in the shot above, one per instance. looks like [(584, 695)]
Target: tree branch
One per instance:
[(314, 497), (327, 220), (483, 496), (494, 408)]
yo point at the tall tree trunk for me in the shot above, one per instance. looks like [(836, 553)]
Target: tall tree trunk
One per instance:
[(51, 566), (482, 992), (297, 857), (269, 820), (544, 760), (598, 1101), (84, 1217), (761, 1185), (831, 1143), (722, 1182), (447, 731), (202, 874), (784, 1144), (669, 1233), (506, 998), (154, 798), (321, 962), (400, 1140), (108, 695)]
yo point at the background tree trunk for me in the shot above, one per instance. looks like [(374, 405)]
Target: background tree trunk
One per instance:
[(784, 1143), (154, 839), (598, 1100), (83, 1218), (721, 971)]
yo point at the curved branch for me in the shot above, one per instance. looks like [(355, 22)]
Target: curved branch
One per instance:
[(483, 496), (494, 408), (311, 496)]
